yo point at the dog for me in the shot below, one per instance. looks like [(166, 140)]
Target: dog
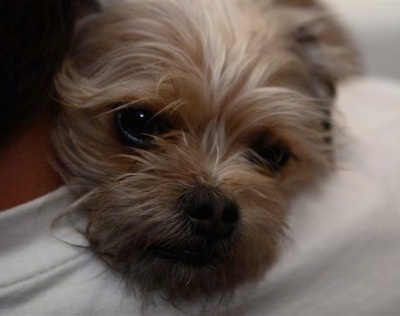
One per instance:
[(189, 126)]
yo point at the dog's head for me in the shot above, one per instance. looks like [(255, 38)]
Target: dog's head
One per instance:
[(189, 125)]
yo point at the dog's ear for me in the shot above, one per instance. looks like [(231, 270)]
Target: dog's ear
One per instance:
[(321, 43), (323, 46)]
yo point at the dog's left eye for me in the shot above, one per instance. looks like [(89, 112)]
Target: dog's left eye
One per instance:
[(138, 127)]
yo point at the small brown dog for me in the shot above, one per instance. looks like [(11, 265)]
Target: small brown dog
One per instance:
[(190, 125)]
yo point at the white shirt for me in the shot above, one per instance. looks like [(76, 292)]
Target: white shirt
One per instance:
[(341, 257), (42, 275)]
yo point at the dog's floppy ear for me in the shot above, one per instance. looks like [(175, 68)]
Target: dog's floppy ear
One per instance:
[(322, 44), (324, 47)]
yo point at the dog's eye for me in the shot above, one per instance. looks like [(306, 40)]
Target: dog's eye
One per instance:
[(137, 127), (273, 156)]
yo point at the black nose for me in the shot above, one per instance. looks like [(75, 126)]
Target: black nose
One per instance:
[(212, 213)]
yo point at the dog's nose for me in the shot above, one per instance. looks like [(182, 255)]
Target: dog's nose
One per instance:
[(213, 214)]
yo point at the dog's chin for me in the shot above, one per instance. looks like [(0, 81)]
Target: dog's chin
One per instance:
[(185, 276), (193, 273), (189, 255)]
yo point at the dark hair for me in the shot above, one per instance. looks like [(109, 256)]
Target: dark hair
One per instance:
[(34, 36)]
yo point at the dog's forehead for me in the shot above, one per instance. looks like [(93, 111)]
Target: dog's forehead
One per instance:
[(240, 102), (197, 58), (212, 63), (218, 44)]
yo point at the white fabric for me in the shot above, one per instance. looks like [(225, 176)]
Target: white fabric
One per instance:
[(342, 256), (41, 275)]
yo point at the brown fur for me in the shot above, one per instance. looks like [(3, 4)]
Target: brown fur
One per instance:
[(227, 75)]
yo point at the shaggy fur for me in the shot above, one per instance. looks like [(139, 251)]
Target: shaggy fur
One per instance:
[(235, 80)]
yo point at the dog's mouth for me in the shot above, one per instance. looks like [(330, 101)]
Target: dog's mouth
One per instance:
[(191, 255)]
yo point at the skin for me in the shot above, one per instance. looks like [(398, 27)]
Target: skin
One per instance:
[(35, 36), (25, 164)]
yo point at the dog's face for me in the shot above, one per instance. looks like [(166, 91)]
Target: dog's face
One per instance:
[(190, 125)]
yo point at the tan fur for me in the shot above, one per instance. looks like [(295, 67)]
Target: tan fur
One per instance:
[(224, 73)]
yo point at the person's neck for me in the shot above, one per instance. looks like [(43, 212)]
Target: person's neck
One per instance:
[(25, 164)]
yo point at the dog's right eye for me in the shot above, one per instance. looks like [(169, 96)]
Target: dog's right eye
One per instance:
[(272, 155), (138, 127)]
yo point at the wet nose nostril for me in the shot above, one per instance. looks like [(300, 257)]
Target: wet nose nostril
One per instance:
[(201, 212), (230, 214)]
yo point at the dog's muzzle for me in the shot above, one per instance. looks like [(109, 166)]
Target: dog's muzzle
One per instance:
[(213, 219)]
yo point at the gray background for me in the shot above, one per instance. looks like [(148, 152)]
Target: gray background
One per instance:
[(375, 25)]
